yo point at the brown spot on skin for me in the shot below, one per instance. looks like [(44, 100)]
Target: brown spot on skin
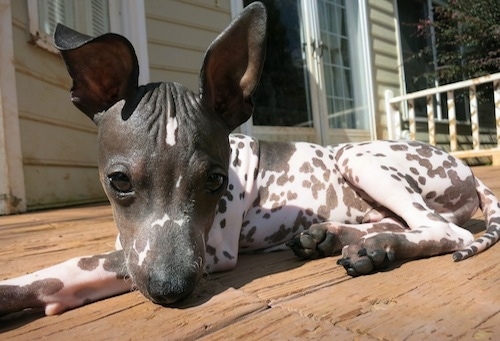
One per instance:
[(318, 163), (326, 175), (113, 262), (399, 147), (306, 168), (274, 197), (16, 298), (88, 263), (283, 179), (279, 235), (262, 197), (212, 252), (394, 176), (418, 206), (430, 195), (331, 203), (431, 172), (460, 194), (413, 184), (353, 200), (236, 161), (249, 237), (229, 195), (228, 255), (436, 217), (301, 221), (317, 186), (222, 206)]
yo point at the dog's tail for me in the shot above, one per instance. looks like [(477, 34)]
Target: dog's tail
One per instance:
[(490, 206)]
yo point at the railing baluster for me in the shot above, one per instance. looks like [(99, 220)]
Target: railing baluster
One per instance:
[(496, 96), (411, 119), (452, 118), (474, 121), (430, 120), (393, 117)]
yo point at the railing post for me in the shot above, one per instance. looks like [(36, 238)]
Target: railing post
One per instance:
[(393, 118), (496, 97), (430, 120), (411, 119), (474, 121), (452, 119)]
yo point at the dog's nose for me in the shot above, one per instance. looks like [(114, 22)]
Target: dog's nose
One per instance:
[(169, 290)]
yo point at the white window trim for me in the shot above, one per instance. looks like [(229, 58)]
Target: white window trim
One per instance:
[(127, 17), (39, 38)]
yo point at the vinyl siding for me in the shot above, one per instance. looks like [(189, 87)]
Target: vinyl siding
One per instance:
[(58, 141), (386, 70), (179, 32)]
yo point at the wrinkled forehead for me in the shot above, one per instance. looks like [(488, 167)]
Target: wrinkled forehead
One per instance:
[(166, 109), (163, 116), (159, 112)]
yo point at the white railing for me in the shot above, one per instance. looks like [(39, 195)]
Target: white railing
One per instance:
[(402, 108)]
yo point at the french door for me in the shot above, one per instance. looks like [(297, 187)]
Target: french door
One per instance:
[(316, 84)]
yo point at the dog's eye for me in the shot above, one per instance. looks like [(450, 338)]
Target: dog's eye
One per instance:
[(120, 182), (215, 182)]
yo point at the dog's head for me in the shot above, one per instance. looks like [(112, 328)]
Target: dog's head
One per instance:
[(163, 149)]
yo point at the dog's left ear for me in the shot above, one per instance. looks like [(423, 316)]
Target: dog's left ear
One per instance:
[(233, 64), (104, 69)]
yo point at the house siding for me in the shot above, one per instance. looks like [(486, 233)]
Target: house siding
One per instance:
[(386, 61), (179, 32), (58, 142)]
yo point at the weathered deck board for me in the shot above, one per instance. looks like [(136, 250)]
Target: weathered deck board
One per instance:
[(268, 296)]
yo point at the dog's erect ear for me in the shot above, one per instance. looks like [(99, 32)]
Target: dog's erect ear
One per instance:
[(104, 69), (233, 64)]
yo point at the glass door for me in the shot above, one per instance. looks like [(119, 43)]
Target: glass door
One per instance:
[(315, 84)]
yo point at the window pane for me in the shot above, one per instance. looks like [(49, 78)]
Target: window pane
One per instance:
[(281, 98), (89, 17), (337, 67), (52, 12)]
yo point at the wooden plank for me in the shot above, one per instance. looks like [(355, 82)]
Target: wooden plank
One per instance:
[(267, 296)]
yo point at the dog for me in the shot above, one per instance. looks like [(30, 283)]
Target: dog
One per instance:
[(187, 196)]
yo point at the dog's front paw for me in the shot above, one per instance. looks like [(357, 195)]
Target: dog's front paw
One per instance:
[(316, 242)]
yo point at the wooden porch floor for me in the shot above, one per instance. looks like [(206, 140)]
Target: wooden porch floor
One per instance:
[(269, 296)]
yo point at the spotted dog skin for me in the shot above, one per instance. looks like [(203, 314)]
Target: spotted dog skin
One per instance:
[(188, 197)]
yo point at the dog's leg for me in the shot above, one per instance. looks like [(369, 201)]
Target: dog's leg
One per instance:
[(329, 238), (67, 285), (399, 190)]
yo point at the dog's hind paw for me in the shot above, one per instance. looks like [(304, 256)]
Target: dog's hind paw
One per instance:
[(357, 260)]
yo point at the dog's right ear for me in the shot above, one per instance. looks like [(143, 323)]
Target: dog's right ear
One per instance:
[(104, 69)]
